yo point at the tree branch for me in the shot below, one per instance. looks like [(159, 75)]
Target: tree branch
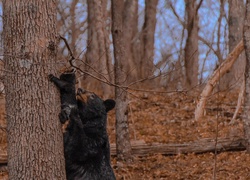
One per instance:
[(222, 69)]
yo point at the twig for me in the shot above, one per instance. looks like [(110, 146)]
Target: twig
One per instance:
[(106, 81)]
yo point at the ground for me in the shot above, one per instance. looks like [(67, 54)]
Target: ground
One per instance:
[(169, 118)]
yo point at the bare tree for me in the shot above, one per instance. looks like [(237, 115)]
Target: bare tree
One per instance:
[(97, 47), (130, 28), (122, 131), (148, 30), (72, 24), (191, 47), (235, 24), (35, 143), (246, 109)]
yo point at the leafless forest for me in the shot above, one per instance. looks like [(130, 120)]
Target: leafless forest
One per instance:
[(178, 70)]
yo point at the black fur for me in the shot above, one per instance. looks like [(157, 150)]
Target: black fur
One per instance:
[(93, 113), (66, 85), (86, 143)]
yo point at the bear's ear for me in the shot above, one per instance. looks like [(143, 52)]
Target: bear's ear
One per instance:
[(109, 104)]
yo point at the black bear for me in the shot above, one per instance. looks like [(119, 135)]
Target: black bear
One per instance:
[(86, 144)]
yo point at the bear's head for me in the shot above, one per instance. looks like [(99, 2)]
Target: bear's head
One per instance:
[(92, 107)]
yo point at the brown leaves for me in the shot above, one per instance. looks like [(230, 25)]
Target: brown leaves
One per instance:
[(232, 165), (169, 118)]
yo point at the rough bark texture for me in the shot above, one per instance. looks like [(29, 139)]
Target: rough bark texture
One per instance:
[(122, 131), (246, 109), (220, 71), (236, 22), (35, 143), (191, 47), (148, 31)]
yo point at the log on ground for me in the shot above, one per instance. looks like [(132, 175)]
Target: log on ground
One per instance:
[(201, 146)]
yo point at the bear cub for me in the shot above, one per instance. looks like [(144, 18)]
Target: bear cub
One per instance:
[(86, 143)]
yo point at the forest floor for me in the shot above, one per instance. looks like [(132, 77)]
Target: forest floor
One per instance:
[(169, 118)]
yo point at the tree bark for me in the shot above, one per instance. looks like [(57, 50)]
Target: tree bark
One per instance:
[(35, 143), (148, 31), (129, 19), (73, 26), (102, 60), (246, 108), (122, 130), (191, 47), (236, 21), (97, 49)]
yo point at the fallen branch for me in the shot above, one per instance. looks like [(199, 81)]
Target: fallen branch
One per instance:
[(197, 147), (222, 69), (201, 146)]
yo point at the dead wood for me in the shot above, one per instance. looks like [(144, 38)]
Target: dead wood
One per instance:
[(218, 73), (140, 148), (197, 147)]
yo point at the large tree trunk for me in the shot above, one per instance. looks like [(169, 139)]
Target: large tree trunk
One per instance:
[(35, 143), (191, 47), (122, 131), (236, 22), (246, 109), (148, 32)]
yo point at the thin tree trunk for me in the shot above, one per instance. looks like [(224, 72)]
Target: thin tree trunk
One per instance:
[(246, 109), (122, 131), (92, 54), (35, 143), (129, 20), (102, 60), (73, 26), (97, 48), (191, 47), (148, 31), (236, 22), (107, 32)]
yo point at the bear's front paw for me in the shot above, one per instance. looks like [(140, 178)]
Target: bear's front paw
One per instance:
[(63, 117), (51, 76)]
